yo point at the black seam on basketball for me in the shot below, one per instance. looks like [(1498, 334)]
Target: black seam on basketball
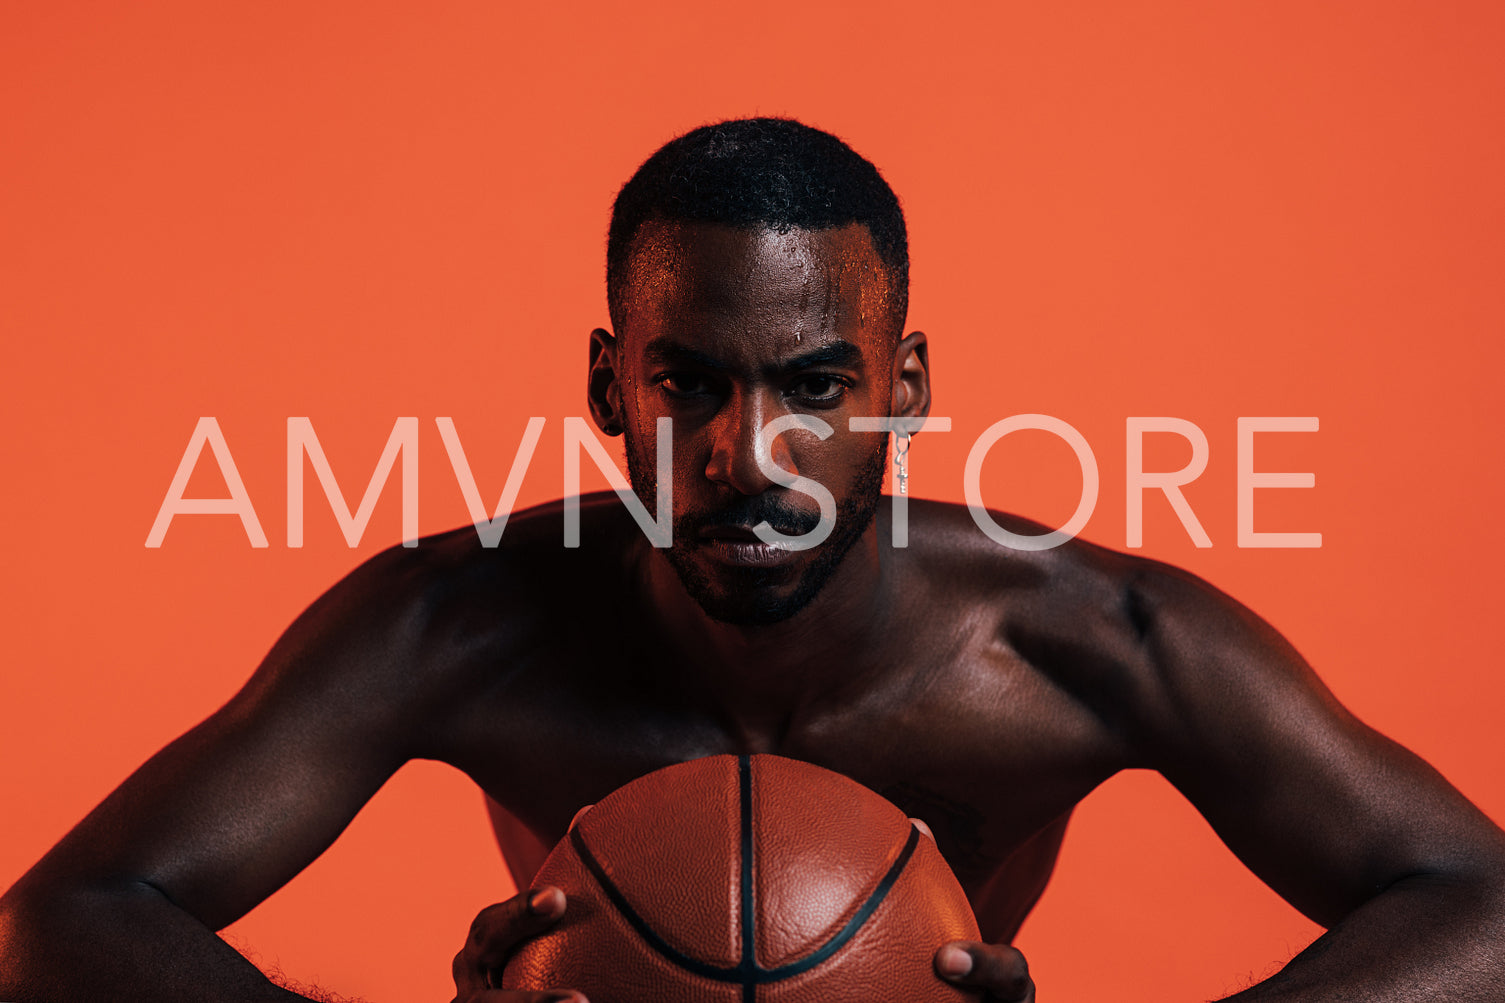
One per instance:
[(749, 918), (854, 924), (645, 931), (747, 972)]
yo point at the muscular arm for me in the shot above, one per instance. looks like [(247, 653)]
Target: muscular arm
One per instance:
[(1359, 834), (125, 905)]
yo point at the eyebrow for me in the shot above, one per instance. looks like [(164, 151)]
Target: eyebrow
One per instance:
[(840, 353)]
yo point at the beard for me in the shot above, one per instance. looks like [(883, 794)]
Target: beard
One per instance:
[(751, 597)]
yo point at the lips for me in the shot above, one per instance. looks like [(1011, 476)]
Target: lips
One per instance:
[(739, 546)]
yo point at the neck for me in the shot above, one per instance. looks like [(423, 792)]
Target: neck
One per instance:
[(760, 677)]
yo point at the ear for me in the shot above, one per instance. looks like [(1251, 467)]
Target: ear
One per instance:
[(911, 377), (603, 392)]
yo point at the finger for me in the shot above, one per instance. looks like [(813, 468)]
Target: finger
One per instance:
[(919, 823), (497, 929), (469, 978), (997, 968)]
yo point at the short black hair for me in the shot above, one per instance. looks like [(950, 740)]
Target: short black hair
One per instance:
[(759, 172)]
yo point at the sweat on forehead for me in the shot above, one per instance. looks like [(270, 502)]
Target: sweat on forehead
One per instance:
[(807, 282)]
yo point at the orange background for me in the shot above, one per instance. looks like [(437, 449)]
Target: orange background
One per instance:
[(356, 211)]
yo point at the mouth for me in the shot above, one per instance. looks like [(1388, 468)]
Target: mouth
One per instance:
[(739, 546)]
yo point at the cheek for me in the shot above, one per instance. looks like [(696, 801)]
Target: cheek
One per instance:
[(838, 461), (689, 467)]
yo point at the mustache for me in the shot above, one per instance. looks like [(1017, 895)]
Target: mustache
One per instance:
[(748, 511)]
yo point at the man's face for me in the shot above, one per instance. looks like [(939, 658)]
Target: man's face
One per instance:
[(725, 330)]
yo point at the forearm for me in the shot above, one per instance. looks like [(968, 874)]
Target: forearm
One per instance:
[(128, 942), (1425, 937)]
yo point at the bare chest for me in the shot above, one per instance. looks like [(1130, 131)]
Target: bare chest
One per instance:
[(981, 747)]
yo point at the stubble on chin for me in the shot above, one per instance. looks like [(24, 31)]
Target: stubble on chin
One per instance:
[(750, 597)]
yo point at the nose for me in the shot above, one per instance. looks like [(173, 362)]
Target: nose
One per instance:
[(738, 439)]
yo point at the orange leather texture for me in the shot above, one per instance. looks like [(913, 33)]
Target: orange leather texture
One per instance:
[(823, 846)]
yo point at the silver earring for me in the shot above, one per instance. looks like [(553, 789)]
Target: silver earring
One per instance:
[(901, 461)]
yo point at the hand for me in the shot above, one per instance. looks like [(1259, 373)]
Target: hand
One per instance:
[(494, 935), (997, 969)]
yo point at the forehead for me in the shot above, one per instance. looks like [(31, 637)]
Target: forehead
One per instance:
[(707, 283)]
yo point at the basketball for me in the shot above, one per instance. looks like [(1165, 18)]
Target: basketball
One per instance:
[(746, 879)]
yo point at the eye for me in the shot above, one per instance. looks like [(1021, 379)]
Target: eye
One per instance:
[(820, 389), (683, 384)]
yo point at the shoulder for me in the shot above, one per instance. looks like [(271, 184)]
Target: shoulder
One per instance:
[(1140, 642), (1132, 592), (414, 629), (446, 572), (1060, 583)]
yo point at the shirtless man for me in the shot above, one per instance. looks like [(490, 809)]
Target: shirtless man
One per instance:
[(758, 270)]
